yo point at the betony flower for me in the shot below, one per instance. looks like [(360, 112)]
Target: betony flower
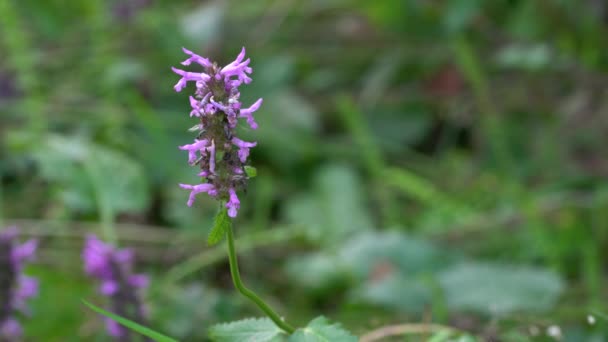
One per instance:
[(244, 147), (217, 151), (247, 113), (197, 189), (188, 76), (199, 146), (15, 287), (234, 204), (195, 58), (114, 269)]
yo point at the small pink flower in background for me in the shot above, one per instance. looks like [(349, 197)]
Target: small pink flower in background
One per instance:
[(114, 269)]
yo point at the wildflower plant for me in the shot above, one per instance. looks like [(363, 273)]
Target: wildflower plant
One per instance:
[(221, 159), (15, 287), (223, 167)]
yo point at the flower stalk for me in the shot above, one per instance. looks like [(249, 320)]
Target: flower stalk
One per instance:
[(238, 283)]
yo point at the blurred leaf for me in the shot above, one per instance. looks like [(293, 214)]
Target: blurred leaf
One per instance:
[(221, 224), (335, 209), (525, 57), (203, 24), (497, 289), (177, 315), (441, 336), (57, 285), (251, 329), (156, 336), (316, 271), (395, 292), (273, 73), (288, 123), (251, 171), (414, 18), (395, 128), (290, 110), (369, 250), (460, 14), (124, 71), (466, 338), (320, 330), (120, 179)]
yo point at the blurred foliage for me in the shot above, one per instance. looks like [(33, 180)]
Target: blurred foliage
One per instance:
[(436, 161)]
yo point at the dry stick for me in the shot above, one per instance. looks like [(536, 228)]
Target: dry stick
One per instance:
[(404, 329)]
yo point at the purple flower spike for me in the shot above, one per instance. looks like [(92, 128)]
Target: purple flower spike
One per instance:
[(15, 287), (113, 268), (219, 154)]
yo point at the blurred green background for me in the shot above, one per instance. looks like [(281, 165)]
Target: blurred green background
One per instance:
[(418, 161)]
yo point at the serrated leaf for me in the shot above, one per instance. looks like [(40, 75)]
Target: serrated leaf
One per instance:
[(320, 330), (500, 289), (249, 330), (156, 336), (220, 225), (251, 171)]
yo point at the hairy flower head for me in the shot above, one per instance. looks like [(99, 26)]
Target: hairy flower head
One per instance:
[(219, 154)]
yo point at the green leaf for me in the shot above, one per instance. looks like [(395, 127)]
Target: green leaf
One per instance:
[(251, 171), (335, 210), (203, 23), (156, 336), (251, 329), (366, 251), (395, 292), (498, 289), (85, 173), (220, 225), (316, 271), (320, 330), (460, 14), (441, 336)]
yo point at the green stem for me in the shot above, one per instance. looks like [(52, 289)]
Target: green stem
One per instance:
[(238, 283)]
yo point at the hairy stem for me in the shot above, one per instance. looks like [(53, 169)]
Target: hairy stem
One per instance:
[(238, 283)]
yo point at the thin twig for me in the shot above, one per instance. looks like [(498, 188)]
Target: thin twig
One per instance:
[(405, 329)]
